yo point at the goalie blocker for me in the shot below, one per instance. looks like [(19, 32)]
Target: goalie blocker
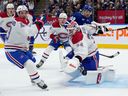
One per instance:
[(102, 74)]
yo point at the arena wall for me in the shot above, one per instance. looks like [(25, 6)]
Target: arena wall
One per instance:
[(112, 39)]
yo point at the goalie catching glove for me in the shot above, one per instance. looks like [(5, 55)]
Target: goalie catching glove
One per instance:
[(100, 27)]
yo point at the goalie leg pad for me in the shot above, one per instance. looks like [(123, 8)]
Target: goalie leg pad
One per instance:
[(110, 75), (99, 76), (62, 61), (71, 76)]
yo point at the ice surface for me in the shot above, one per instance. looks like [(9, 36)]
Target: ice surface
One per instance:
[(16, 82)]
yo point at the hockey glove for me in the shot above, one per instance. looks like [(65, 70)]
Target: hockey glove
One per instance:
[(39, 24), (72, 65), (55, 38), (100, 27)]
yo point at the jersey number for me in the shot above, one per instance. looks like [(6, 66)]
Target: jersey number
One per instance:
[(10, 24)]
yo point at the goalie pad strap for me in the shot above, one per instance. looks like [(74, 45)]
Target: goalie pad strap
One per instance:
[(79, 58)]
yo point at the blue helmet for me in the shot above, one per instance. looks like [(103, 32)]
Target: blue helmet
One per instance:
[(87, 7)]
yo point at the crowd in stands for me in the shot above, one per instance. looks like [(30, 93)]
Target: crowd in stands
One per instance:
[(71, 6), (55, 7), (31, 4)]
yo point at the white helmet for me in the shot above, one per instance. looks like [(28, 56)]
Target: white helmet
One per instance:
[(21, 8), (63, 15), (10, 5)]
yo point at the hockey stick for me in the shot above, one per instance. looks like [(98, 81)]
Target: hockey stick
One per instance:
[(110, 56), (3, 33), (108, 23), (118, 29), (109, 30)]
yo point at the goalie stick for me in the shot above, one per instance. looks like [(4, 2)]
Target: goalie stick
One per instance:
[(106, 24), (118, 29), (110, 56)]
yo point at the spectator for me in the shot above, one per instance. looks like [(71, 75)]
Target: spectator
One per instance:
[(68, 10), (89, 2), (98, 5), (117, 4), (77, 7), (72, 6), (105, 5), (111, 6), (30, 4)]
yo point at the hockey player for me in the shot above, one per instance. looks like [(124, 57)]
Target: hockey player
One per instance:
[(85, 57), (59, 37), (9, 12), (84, 17), (17, 45), (22, 14), (83, 46), (21, 9)]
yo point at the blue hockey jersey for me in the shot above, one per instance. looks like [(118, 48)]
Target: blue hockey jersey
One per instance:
[(80, 19)]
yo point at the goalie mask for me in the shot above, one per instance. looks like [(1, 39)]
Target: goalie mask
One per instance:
[(71, 26)]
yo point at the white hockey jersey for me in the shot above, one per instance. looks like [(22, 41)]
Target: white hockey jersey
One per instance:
[(17, 34), (60, 31), (83, 45), (30, 18)]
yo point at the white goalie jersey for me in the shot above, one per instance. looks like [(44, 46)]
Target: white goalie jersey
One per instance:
[(17, 33), (83, 41), (83, 44)]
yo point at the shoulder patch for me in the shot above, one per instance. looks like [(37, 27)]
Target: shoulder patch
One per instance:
[(24, 21), (78, 36), (56, 24)]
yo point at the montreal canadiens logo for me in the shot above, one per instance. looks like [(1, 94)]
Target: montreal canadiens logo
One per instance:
[(63, 35)]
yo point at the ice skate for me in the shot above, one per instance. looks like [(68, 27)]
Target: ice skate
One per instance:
[(82, 70), (40, 64), (33, 83), (42, 85), (33, 52)]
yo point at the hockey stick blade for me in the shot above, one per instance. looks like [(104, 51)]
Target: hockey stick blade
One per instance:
[(118, 29), (110, 56)]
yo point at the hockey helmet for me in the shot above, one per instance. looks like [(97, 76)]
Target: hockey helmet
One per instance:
[(10, 5), (63, 15), (88, 8), (21, 8)]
